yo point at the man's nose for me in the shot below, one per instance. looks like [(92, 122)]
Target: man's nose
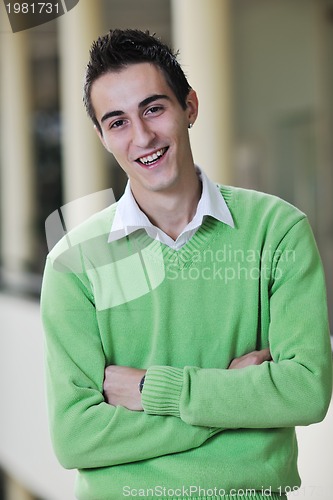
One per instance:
[(142, 135)]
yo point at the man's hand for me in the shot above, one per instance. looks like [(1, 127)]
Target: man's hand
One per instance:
[(121, 383), (251, 358), (121, 386)]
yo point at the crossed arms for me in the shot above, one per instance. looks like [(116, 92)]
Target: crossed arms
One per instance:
[(121, 383)]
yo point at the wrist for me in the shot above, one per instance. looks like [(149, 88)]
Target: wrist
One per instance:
[(162, 390)]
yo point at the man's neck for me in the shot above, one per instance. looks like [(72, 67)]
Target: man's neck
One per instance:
[(171, 211)]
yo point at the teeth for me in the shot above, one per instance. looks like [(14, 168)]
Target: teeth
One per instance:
[(146, 160)]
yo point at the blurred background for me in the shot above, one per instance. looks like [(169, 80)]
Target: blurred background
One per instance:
[(263, 71)]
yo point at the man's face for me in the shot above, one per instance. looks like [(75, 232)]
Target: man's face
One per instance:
[(144, 127)]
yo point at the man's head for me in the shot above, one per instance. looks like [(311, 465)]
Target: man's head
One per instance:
[(142, 106), (120, 48)]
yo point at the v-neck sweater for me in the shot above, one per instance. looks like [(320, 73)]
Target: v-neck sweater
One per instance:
[(206, 432)]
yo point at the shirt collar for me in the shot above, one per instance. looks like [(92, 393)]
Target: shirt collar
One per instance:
[(129, 217)]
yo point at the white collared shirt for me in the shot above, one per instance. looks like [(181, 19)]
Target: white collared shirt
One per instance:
[(129, 217)]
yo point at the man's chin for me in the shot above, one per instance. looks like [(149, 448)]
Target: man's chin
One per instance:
[(163, 185)]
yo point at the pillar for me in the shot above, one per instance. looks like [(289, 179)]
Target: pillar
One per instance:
[(16, 153), (15, 491), (84, 170), (201, 31)]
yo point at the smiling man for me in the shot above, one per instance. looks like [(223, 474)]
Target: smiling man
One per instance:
[(192, 337)]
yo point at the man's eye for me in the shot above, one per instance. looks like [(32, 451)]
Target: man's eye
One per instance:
[(117, 124), (154, 109)]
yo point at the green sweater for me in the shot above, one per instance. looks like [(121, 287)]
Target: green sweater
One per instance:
[(206, 431)]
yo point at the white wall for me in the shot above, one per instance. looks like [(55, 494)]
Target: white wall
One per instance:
[(25, 449)]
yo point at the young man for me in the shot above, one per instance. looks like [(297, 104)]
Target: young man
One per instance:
[(161, 295)]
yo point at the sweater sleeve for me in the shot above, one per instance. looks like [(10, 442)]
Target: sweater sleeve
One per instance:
[(86, 431), (293, 389)]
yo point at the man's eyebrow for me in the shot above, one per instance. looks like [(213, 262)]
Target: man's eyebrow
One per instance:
[(142, 104), (110, 114), (153, 98)]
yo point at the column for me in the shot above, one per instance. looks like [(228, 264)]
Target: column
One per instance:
[(16, 153), (201, 31), (15, 491), (84, 170)]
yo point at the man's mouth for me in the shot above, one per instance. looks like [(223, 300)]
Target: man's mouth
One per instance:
[(150, 160)]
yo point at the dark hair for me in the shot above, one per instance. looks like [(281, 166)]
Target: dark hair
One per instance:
[(120, 48)]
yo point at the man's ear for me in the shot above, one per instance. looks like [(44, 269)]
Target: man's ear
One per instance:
[(192, 106)]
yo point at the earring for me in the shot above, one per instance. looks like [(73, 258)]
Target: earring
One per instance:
[(190, 125)]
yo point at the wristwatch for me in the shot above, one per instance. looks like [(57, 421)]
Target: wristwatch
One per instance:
[(142, 381)]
